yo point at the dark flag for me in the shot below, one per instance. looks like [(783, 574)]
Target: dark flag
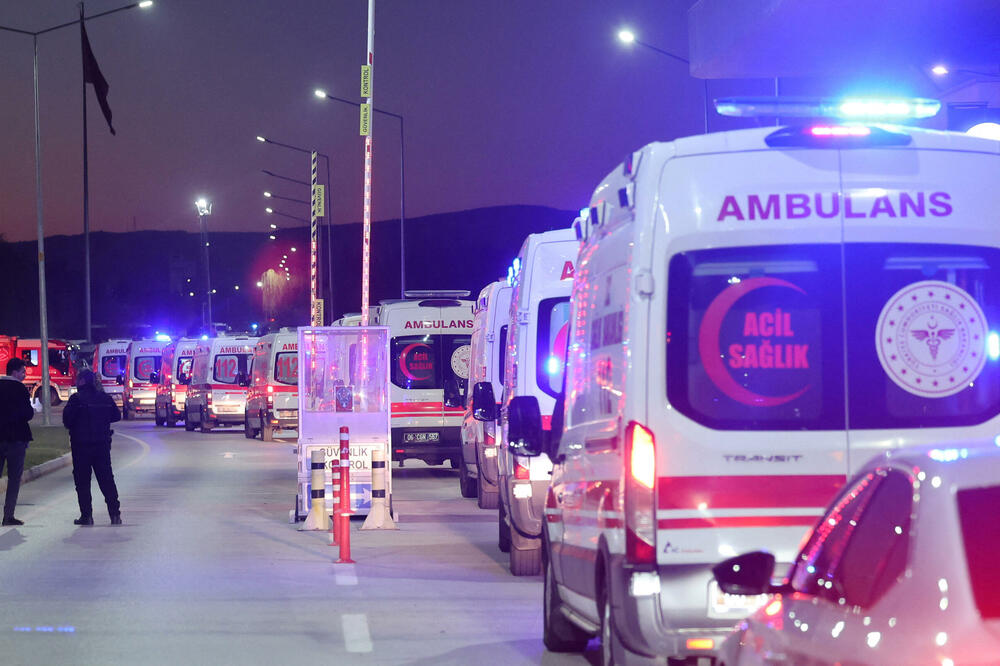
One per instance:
[(92, 74)]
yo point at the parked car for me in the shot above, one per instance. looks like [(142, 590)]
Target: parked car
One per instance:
[(901, 569)]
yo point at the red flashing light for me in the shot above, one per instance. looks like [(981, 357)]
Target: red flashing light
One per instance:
[(520, 472)]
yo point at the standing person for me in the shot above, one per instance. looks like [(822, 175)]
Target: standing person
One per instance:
[(88, 416), (15, 412)]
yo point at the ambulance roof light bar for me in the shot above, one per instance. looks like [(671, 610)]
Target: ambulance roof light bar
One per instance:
[(436, 293), (846, 109)]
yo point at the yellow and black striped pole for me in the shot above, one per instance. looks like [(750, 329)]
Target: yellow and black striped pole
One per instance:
[(316, 519), (379, 517)]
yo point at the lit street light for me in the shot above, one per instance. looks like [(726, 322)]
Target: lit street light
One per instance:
[(322, 94), (204, 207), (272, 195), (271, 211)]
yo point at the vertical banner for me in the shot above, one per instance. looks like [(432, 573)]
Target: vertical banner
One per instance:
[(314, 248)]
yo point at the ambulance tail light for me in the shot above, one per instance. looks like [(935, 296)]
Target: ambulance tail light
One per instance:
[(640, 495), (521, 472), (130, 383)]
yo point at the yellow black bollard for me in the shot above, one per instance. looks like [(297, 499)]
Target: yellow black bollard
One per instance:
[(378, 517), (316, 519)]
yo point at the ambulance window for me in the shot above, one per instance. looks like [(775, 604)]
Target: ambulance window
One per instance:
[(501, 360), (184, 370), (923, 335), (553, 335), (286, 368), (414, 362), (113, 365), (144, 366), (229, 366), (754, 337)]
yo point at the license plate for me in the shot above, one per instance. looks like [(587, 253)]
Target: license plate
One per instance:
[(287, 413), (226, 409), (421, 437), (145, 401), (722, 605)]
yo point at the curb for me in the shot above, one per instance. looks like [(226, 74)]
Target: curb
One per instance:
[(46, 467)]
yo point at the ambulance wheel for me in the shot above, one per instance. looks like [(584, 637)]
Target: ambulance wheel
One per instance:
[(203, 423), (558, 633), (525, 561), (126, 415), (467, 484), (613, 651), (266, 431), (248, 432), (188, 426), (504, 532), (157, 420), (486, 499)]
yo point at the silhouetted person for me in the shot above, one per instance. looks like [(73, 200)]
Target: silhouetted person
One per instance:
[(15, 412), (89, 415)]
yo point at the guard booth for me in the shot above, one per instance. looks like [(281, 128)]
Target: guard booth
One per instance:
[(343, 381)]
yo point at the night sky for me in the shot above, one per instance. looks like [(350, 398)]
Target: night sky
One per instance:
[(515, 102)]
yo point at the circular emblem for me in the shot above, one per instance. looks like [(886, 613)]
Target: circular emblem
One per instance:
[(931, 339), (460, 361)]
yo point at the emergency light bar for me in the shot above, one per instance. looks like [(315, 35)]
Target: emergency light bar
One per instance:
[(860, 109), (437, 293)]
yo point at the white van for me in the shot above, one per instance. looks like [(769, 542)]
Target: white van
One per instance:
[(542, 279), (109, 366), (220, 375), (142, 362), (273, 396), (429, 356), (173, 380), (757, 313), (478, 471)]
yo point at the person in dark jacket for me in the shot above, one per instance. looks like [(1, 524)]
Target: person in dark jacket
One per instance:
[(15, 412), (88, 416)]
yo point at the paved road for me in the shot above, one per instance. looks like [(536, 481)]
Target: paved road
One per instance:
[(207, 569)]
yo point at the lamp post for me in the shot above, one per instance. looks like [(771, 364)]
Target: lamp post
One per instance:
[(628, 37), (204, 210), (42, 306), (322, 94), (272, 195), (271, 211)]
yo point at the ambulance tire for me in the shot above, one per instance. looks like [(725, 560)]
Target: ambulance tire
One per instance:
[(504, 531), (203, 423), (466, 484), (266, 431), (485, 498), (558, 633), (248, 432), (613, 651), (525, 561), (188, 425), (125, 413), (157, 420)]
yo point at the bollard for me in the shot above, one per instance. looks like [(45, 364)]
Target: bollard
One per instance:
[(316, 518), (345, 497), (335, 522), (379, 517)]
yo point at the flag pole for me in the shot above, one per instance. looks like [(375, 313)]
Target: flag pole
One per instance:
[(43, 319), (86, 204)]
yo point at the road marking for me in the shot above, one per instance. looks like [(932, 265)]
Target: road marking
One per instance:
[(356, 637), (345, 574), (229, 455), (145, 449)]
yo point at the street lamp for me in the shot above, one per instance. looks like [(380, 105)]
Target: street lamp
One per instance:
[(944, 70), (322, 94), (43, 315), (204, 207), (627, 37), (272, 195), (271, 211)]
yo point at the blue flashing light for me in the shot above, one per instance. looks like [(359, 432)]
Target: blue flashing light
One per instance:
[(947, 455), (552, 365), (860, 109), (160, 337), (517, 265), (510, 276), (253, 327), (204, 337), (993, 345)]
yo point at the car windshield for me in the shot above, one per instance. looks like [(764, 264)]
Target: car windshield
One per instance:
[(144, 366), (286, 368), (757, 337), (113, 365), (228, 367), (981, 538)]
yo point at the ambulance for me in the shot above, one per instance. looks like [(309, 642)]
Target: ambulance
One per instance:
[(62, 372), (173, 380), (142, 362), (429, 355), (542, 280), (756, 314), (478, 471), (109, 366), (273, 395), (220, 375)]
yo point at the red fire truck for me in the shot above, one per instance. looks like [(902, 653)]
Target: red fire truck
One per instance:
[(62, 372)]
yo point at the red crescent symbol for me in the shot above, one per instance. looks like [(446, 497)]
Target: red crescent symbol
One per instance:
[(402, 361), (708, 343)]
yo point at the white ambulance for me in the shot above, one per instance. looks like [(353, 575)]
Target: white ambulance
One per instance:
[(478, 471), (542, 279), (757, 313), (173, 380), (142, 362), (220, 375), (273, 395), (109, 366), (429, 355)]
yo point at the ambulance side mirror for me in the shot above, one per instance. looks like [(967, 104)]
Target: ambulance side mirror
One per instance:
[(243, 379), (524, 426), (747, 574), (154, 378), (452, 393), (484, 405)]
